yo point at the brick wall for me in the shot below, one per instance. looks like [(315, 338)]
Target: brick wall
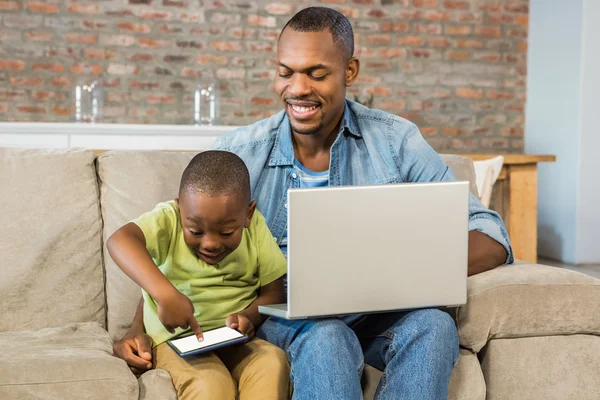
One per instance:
[(456, 68)]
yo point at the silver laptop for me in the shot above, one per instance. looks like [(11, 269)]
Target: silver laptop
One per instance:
[(364, 249)]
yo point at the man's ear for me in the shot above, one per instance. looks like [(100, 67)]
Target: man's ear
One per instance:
[(352, 70), (251, 209)]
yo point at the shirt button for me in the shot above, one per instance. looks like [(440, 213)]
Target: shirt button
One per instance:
[(294, 175), (285, 205)]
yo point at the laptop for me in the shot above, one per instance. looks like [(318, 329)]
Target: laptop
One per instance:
[(368, 249)]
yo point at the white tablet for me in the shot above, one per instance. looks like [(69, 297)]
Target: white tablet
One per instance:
[(214, 339)]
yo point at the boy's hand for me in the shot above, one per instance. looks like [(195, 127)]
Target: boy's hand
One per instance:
[(240, 323), (136, 349), (176, 310)]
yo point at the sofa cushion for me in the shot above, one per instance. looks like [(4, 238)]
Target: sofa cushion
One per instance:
[(156, 384), (132, 183), (51, 265), (466, 382), (463, 170), (549, 368), (527, 300), (71, 362)]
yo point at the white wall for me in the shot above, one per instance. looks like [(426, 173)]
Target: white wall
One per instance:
[(588, 210), (552, 119), (563, 77)]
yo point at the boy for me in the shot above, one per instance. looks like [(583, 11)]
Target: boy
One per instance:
[(205, 260)]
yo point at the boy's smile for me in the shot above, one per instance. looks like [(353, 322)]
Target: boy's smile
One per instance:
[(213, 225)]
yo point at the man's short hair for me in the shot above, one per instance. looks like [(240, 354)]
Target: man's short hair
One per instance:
[(216, 173), (318, 19)]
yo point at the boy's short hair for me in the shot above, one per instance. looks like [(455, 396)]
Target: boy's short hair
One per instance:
[(216, 173)]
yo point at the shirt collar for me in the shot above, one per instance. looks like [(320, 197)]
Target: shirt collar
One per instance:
[(283, 149)]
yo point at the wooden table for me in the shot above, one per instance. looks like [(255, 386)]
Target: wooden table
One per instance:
[(514, 197)]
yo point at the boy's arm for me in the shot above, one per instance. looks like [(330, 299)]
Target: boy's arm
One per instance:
[(127, 247), (248, 320), (136, 346), (272, 266)]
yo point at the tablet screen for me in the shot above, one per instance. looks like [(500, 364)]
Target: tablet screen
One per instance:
[(216, 336)]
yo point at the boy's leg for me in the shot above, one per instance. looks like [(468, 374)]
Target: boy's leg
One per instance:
[(196, 377), (260, 368), (417, 351), (325, 356)]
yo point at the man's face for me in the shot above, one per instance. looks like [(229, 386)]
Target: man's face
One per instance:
[(213, 225), (311, 80)]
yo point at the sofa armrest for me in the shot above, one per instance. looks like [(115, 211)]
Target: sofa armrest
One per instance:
[(524, 300)]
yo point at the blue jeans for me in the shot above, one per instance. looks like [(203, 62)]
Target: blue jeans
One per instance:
[(416, 350)]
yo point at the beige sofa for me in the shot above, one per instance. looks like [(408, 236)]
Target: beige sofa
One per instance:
[(527, 331)]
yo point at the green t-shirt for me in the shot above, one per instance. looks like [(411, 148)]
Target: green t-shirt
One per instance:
[(215, 290)]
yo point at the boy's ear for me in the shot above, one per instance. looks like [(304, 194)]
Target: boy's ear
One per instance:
[(251, 209)]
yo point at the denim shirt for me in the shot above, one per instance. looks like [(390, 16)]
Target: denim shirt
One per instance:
[(372, 147)]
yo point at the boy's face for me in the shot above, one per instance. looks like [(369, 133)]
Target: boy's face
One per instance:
[(213, 225)]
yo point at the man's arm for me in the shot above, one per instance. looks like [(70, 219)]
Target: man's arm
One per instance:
[(484, 253), (489, 245)]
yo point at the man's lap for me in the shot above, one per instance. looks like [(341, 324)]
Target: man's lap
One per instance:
[(326, 354), (283, 333), (365, 327), (432, 328)]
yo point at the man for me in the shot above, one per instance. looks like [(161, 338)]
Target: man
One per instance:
[(322, 139)]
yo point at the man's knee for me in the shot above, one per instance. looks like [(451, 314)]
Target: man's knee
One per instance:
[(435, 329), (331, 331), (437, 323), (329, 336)]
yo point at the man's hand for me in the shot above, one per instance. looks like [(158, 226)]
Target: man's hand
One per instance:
[(241, 323), (175, 310), (136, 349)]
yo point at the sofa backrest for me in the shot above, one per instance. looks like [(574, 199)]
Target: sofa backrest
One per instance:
[(462, 168), (132, 183), (50, 239), (51, 236)]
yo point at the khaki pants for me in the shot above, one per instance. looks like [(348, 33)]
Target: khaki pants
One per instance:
[(256, 370)]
